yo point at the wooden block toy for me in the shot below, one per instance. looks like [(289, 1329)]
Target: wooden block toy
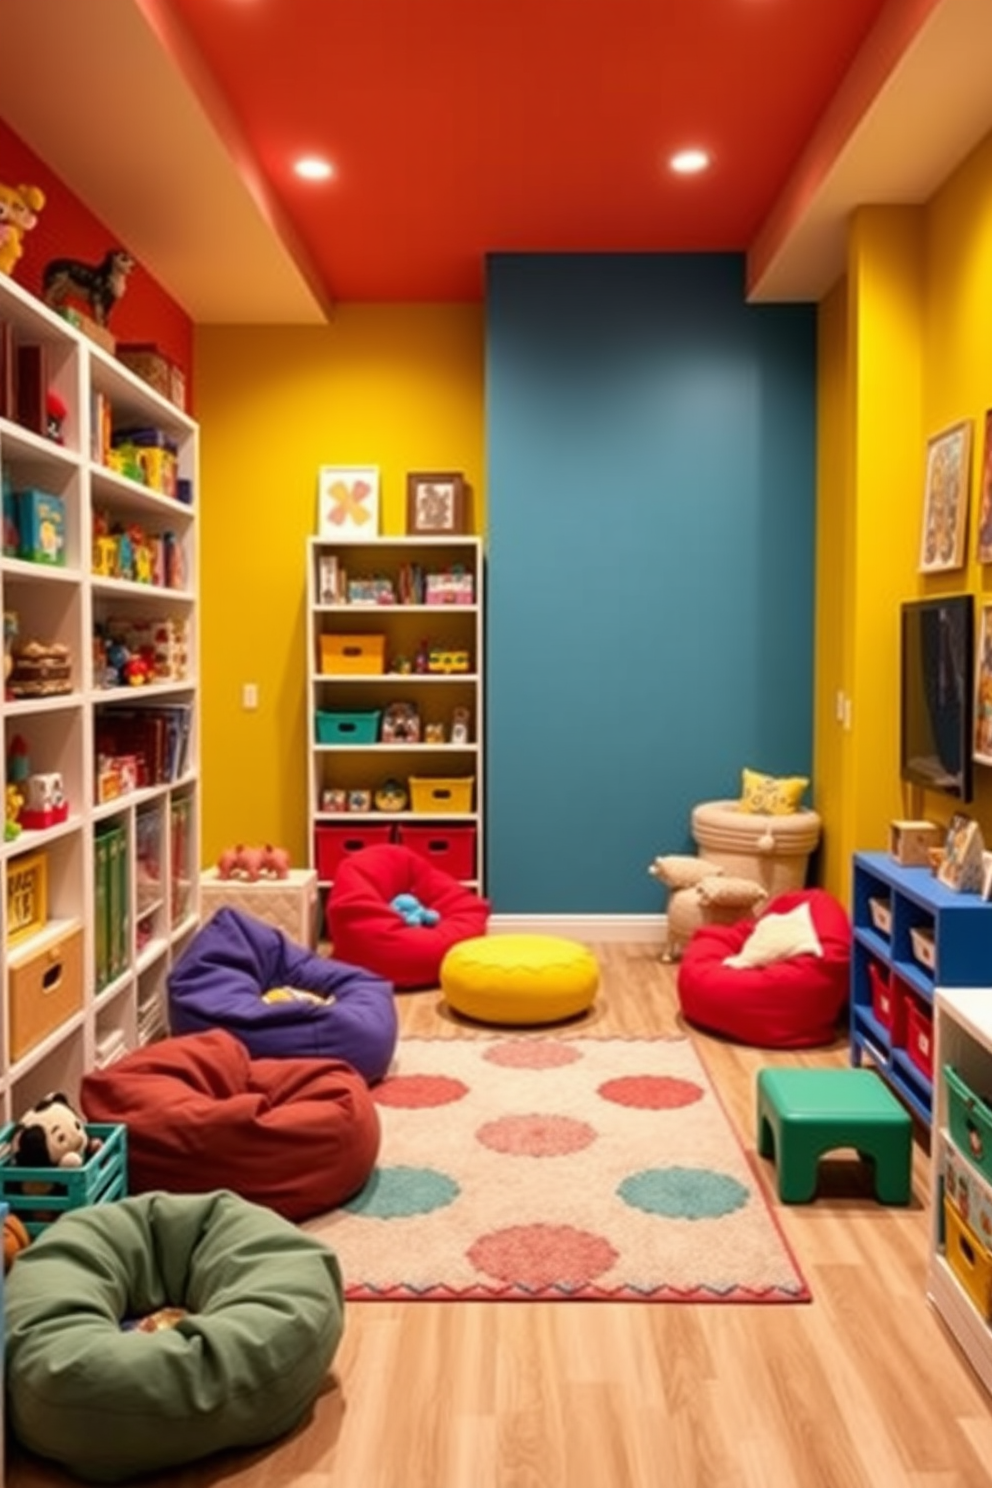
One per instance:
[(910, 842)]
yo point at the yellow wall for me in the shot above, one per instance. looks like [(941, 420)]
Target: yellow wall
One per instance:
[(396, 386), (911, 357)]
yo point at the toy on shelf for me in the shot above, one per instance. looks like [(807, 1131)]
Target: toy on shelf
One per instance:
[(45, 803), (87, 293), (40, 669), (400, 724), (56, 413), (434, 733), (18, 770), (19, 208), (391, 795), (459, 725), (52, 1135)]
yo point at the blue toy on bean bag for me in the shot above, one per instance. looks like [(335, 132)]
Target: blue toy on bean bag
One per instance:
[(234, 960)]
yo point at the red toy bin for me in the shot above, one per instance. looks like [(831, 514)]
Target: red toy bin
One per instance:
[(919, 1036), (450, 848), (888, 1002), (334, 843)]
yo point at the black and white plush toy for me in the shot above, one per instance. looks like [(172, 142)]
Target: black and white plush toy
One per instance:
[(52, 1135)]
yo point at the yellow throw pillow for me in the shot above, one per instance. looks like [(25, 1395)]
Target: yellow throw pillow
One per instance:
[(771, 795)]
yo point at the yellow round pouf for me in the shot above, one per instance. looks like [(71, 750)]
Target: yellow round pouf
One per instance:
[(519, 978)]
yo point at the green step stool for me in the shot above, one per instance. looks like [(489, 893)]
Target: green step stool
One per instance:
[(805, 1113)]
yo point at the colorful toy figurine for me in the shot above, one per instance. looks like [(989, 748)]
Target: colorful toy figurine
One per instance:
[(96, 287), (19, 208)]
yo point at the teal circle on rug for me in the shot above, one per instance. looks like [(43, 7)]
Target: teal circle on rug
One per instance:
[(683, 1193), (398, 1193)]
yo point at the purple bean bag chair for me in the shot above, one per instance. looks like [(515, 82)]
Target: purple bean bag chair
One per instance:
[(221, 979)]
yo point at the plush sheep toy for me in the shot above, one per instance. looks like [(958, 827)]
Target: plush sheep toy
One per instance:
[(52, 1135)]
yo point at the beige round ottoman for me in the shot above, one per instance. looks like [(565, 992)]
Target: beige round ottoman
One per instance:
[(519, 978), (774, 850)]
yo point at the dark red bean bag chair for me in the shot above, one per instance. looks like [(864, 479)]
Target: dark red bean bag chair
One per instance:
[(794, 1003), (366, 931), (298, 1135)]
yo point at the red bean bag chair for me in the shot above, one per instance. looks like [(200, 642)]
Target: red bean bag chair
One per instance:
[(298, 1135), (365, 930), (792, 1003)]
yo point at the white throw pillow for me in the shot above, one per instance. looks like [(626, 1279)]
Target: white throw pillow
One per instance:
[(776, 937)]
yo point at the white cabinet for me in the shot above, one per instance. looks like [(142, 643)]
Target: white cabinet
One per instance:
[(99, 585), (959, 1276), (395, 700)]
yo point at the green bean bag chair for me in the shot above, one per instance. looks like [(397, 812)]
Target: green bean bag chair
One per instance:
[(264, 1317)]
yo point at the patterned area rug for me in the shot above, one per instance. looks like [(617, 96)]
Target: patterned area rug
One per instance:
[(559, 1169)]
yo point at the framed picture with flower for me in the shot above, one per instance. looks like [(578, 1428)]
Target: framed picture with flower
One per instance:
[(945, 499), (348, 502), (435, 503)]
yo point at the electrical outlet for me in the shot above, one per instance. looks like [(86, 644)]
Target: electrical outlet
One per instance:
[(249, 695), (839, 706)]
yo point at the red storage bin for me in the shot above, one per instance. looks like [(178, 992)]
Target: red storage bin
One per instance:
[(334, 843), (919, 1036), (888, 1002), (450, 848)]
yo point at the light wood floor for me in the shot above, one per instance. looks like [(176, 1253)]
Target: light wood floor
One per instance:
[(862, 1388)]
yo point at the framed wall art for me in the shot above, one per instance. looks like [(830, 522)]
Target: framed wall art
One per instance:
[(985, 496), (348, 502), (945, 499), (435, 503), (982, 714)]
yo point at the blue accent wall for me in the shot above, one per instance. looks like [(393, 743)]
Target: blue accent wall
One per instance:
[(651, 481)]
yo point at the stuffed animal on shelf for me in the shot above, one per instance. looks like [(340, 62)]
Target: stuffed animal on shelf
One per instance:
[(412, 911), (19, 208), (52, 1135)]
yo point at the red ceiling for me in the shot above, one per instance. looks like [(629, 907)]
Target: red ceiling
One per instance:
[(459, 127)]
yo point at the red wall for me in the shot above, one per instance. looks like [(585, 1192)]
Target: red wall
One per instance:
[(67, 229)]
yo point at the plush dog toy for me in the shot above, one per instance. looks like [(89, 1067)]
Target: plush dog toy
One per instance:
[(52, 1135)]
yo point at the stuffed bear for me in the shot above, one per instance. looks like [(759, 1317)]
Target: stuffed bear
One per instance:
[(19, 208), (52, 1135)]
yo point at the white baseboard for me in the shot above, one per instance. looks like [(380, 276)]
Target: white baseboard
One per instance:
[(635, 929)]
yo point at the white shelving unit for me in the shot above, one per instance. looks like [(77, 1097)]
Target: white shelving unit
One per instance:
[(963, 1019), (156, 823), (346, 753)]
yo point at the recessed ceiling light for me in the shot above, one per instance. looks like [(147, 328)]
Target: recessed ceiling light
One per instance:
[(312, 168), (689, 162)]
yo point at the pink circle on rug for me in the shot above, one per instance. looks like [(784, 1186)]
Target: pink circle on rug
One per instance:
[(536, 1136), (419, 1091), (652, 1092), (538, 1256), (534, 1054)]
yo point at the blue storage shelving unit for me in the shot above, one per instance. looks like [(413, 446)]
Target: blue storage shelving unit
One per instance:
[(961, 926)]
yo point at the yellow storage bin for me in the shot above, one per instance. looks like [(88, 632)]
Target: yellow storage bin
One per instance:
[(968, 1258), (438, 795), (352, 655), (46, 985)]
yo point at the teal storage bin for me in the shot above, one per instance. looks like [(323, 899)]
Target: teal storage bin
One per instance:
[(348, 728), (101, 1179), (970, 1120)]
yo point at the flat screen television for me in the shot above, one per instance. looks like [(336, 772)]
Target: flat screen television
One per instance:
[(935, 738)]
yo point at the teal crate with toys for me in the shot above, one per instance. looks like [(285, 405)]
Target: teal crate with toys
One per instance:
[(38, 1196), (970, 1120)]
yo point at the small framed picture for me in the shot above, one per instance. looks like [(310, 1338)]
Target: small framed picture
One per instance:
[(435, 503), (985, 496), (348, 502), (962, 867), (945, 499), (982, 711)]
